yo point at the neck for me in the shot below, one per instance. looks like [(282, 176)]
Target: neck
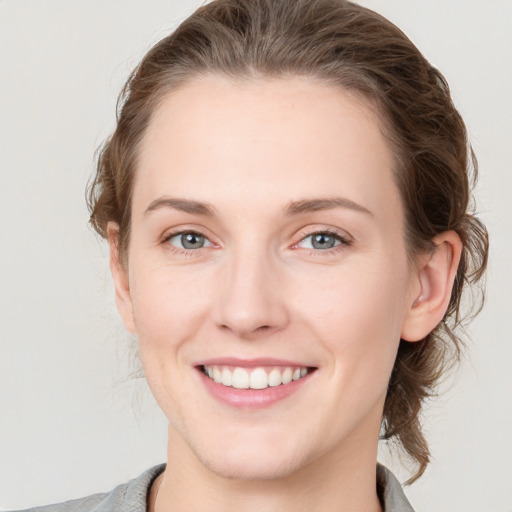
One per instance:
[(334, 481)]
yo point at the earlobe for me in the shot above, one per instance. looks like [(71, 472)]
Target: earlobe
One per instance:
[(121, 280), (434, 280)]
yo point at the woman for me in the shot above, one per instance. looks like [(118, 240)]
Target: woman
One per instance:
[(285, 199)]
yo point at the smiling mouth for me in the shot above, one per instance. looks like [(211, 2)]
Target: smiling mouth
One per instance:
[(255, 378)]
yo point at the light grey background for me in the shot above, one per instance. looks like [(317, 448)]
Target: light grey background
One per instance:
[(70, 423)]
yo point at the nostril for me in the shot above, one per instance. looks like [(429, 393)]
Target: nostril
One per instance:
[(247, 331)]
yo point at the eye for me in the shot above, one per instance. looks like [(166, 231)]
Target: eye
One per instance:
[(188, 240), (322, 240)]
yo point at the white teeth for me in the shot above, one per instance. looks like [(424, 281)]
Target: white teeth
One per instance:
[(227, 377), (240, 379), (287, 376), (274, 378), (258, 378)]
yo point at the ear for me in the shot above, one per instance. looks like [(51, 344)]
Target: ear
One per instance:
[(432, 287), (121, 280)]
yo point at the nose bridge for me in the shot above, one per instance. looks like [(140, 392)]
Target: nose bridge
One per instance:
[(250, 300)]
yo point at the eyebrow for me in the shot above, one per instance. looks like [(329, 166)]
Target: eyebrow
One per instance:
[(292, 208), (328, 203), (183, 205)]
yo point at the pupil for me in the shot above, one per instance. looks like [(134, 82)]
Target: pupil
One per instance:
[(192, 241), (323, 241)]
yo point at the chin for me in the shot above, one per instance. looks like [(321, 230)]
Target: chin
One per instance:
[(248, 455), (247, 468), (252, 452)]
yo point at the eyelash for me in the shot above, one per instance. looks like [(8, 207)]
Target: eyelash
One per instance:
[(177, 250), (344, 242)]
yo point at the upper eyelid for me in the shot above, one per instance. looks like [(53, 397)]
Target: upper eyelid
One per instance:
[(342, 234), (186, 232), (182, 231), (344, 240)]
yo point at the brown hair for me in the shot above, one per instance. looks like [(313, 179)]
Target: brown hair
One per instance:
[(358, 50)]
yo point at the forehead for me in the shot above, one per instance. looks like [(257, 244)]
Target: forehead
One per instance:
[(262, 140)]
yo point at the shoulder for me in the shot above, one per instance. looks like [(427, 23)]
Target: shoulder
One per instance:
[(132, 496), (390, 492), (94, 503), (128, 497)]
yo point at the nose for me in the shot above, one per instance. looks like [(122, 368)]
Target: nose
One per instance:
[(250, 302)]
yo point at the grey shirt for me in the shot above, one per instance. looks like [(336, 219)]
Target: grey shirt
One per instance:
[(132, 496)]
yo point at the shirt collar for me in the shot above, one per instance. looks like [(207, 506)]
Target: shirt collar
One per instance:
[(390, 492)]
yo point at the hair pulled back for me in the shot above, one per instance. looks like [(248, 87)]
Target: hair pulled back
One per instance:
[(351, 47)]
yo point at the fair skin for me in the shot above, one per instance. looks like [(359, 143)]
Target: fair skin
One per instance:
[(251, 283)]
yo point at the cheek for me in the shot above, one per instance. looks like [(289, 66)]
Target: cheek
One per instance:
[(167, 306), (358, 313), (361, 293), (168, 311)]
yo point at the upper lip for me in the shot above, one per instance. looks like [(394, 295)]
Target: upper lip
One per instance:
[(249, 363)]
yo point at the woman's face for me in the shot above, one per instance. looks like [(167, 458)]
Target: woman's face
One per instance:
[(267, 244)]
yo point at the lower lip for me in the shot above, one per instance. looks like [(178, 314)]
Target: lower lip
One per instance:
[(252, 398)]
